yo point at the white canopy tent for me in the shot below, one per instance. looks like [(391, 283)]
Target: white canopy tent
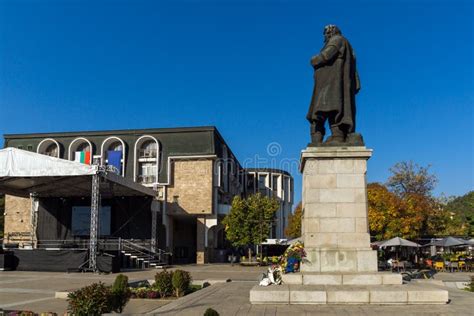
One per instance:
[(21, 163), (24, 173)]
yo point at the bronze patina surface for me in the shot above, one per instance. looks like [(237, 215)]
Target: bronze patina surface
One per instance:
[(336, 83)]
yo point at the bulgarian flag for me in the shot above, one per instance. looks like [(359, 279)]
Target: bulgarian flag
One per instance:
[(83, 157)]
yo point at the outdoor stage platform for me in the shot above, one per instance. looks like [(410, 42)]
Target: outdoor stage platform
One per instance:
[(68, 200)]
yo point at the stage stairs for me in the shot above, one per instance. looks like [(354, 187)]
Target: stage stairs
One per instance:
[(137, 254), (134, 253)]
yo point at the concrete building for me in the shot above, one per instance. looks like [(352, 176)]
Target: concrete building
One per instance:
[(193, 171), (275, 183)]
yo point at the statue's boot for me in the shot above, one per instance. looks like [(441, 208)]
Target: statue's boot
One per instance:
[(355, 139), (316, 139), (336, 138)]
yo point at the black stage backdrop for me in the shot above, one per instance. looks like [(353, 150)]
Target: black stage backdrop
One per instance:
[(130, 217), (60, 260)]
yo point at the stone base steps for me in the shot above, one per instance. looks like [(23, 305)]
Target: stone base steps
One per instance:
[(375, 278), (348, 294)]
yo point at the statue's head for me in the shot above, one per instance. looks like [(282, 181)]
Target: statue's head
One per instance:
[(330, 30)]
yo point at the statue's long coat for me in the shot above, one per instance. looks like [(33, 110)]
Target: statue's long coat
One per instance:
[(336, 82)]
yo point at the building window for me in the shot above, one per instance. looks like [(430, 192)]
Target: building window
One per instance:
[(286, 194), (275, 179), (29, 147), (48, 147), (220, 174), (20, 147), (146, 160), (147, 173), (250, 185), (113, 154), (80, 150), (262, 184), (285, 189), (148, 150)]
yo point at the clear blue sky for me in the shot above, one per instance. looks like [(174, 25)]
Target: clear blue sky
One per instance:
[(243, 66)]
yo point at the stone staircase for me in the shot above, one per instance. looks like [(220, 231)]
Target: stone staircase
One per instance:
[(406, 294)]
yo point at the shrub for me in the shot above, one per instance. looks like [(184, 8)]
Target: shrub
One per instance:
[(152, 294), (94, 299), (141, 292), (211, 312), (181, 281), (163, 283), (120, 293)]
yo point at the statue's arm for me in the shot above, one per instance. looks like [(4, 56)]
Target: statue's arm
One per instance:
[(329, 52)]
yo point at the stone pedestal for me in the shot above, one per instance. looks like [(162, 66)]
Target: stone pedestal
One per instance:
[(341, 266), (335, 226)]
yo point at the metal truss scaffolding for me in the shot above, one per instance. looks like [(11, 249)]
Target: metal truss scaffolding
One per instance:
[(94, 232)]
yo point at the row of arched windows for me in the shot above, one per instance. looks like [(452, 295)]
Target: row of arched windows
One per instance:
[(112, 152)]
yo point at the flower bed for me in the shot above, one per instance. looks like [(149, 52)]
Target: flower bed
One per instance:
[(167, 284)]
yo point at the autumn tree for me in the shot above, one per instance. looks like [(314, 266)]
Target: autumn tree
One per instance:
[(405, 207), (293, 230), (410, 178), (383, 207), (250, 220)]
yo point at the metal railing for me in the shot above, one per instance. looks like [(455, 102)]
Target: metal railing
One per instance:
[(147, 153), (143, 249), (146, 179), (79, 244), (139, 248)]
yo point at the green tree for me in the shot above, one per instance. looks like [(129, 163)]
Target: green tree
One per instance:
[(250, 220), (410, 178), (461, 214), (293, 230)]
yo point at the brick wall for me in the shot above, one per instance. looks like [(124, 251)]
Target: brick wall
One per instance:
[(191, 187), (17, 219)]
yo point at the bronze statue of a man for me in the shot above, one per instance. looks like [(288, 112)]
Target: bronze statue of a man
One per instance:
[(336, 84)]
